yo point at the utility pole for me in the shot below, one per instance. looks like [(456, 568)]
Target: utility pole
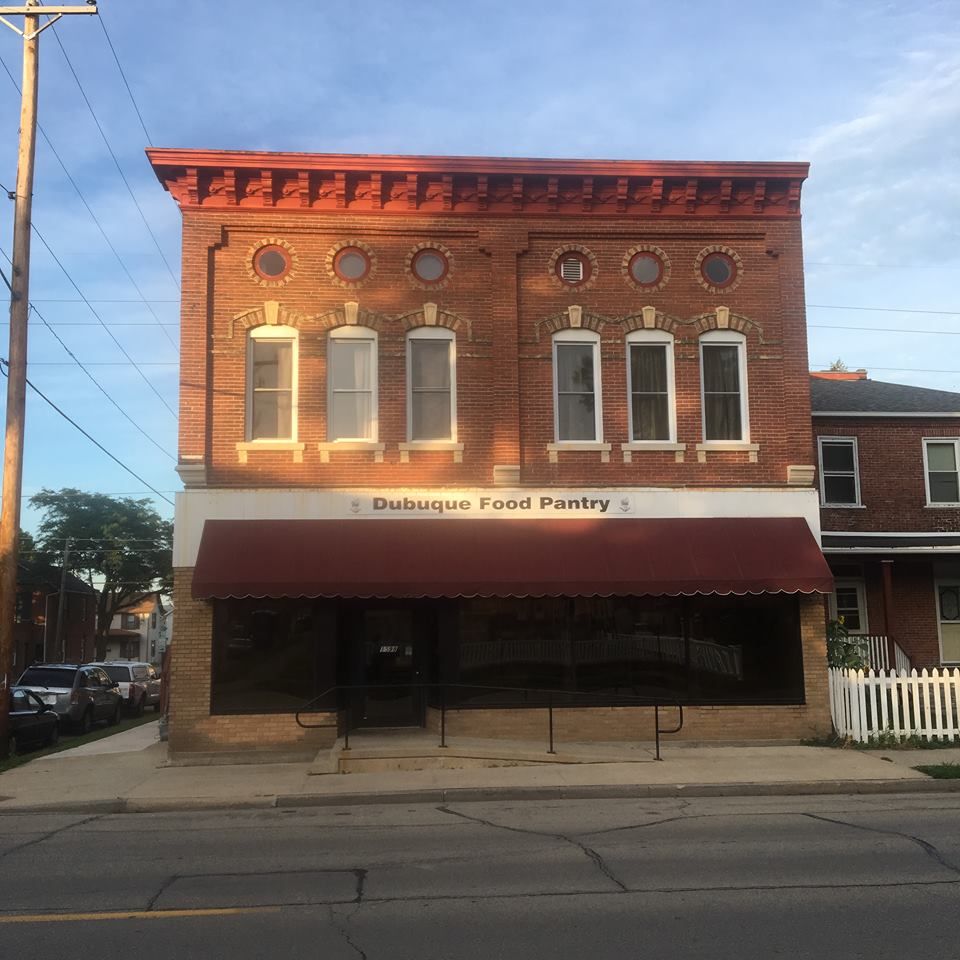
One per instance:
[(60, 642), (16, 366)]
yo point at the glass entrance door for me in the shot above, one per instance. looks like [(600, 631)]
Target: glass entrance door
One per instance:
[(391, 662)]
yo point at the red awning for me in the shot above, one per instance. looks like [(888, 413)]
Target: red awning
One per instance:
[(508, 558)]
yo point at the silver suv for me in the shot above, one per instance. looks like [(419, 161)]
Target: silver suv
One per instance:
[(81, 695), (138, 682)]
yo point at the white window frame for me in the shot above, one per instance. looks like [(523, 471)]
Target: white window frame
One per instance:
[(661, 337), (860, 585), (937, 584), (432, 333), (926, 470), (273, 333), (591, 339), (738, 340), (856, 470), (368, 335)]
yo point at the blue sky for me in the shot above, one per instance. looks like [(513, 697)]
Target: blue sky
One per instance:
[(869, 93)]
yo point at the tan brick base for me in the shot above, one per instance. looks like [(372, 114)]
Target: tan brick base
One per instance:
[(194, 730)]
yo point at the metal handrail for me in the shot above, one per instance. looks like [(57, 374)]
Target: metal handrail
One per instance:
[(615, 700)]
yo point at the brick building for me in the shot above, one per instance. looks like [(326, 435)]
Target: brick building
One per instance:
[(38, 606), (492, 423), (888, 458)]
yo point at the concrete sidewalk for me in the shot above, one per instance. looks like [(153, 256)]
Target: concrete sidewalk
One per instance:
[(130, 773)]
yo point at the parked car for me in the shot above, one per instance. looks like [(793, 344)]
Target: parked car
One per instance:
[(139, 683), (32, 722), (80, 694)]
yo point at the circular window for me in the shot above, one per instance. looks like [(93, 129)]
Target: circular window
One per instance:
[(429, 266), (646, 269), (718, 269), (351, 264), (271, 262), (573, 268)]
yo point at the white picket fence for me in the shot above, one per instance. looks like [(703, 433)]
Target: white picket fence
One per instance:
[(865, 705)]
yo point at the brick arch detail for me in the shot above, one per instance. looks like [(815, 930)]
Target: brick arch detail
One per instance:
[(650, 318), (433, 316), (723, 319), (350, 315), (573, 318), (270, 314)]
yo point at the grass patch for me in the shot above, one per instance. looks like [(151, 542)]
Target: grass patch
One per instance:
[(884, 741), (69, 741), (941, 771)]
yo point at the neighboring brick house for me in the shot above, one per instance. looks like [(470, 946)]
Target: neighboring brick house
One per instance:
[(888, 458), (492, 423), (136, 630), (35, 623)]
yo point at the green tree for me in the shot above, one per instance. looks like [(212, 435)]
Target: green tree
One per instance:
[(121, 546)]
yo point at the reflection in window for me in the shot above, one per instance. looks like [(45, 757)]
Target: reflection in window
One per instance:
[(575, 379), (651, 386), (948, 608), (724, 405), (431, 386), (269, 655), (271, 387), (701, 649), (352, 378)]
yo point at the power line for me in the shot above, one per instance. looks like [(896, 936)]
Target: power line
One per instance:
[(94, 217), (116, 162), (101, 388), (106, 363), (836, 306), (4, 364), (87, 323), (120, 346), (146, 133), (862, 366), (837, 326)]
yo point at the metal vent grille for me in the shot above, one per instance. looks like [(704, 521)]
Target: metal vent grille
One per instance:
[(571, 269)]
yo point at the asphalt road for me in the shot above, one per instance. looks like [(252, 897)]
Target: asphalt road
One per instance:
[(744, 878)]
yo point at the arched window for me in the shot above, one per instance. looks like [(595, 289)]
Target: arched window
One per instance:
[(576, 386), (272, 383), (723, 379), (352, 384), (431, 384), (652, 409)]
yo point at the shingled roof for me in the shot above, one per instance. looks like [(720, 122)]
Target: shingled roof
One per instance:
[(876, 397)]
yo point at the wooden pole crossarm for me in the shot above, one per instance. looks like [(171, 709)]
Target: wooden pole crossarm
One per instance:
[(55, 13)]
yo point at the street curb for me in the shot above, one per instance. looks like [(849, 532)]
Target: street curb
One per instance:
[(481, 794)]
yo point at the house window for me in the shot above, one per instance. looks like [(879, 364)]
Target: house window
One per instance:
[(724, 384), (272, 384), (352, 384), (839, 471), (948, 616), (576, 384), (130, 621), (650, 379), (940, 465), (153, 621), (431, 384), (849, 600)]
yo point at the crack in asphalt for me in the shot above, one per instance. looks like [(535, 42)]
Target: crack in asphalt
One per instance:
[(589, 852), (341, 928), (163, 886), (48, 835), (928, 848)]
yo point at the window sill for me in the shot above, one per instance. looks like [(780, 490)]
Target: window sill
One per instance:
[(652, 446), (429, 446), (941, 506), (727, 446), (842, 506), (351, 446), (271, 446), (579, 446)]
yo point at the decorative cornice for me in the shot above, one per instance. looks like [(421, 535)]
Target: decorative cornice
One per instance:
[(224, 180)]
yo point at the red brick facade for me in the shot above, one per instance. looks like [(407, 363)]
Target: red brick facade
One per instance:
[(502, 224)]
